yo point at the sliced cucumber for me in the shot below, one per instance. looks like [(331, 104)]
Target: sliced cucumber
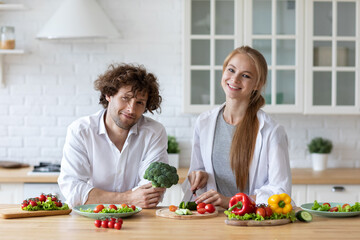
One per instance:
[(304, 216)]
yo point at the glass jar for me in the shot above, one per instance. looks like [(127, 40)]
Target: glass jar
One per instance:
[(7, 37)]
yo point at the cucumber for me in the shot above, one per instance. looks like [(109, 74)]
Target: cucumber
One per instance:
[(304, 216)]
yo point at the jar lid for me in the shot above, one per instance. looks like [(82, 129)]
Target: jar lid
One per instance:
[(7, 29)]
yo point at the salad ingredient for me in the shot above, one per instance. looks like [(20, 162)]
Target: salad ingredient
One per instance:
[(183, 212), (102, 209), (97, 223), (201, 210), (280, 203), (161, 175), (261, 211), (304, 216), (112, 206), (109, 223), (334, 209), (104, 223), (172, 208), (188, 205), (98, 208), (209, 208), (117, 226), (240, 204), (51, 202), (201, 205)]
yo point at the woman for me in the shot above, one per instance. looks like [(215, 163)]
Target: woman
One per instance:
[(237, 147)]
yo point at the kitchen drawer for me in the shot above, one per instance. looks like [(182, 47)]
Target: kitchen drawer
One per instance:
[(11, 193), (333, 193)]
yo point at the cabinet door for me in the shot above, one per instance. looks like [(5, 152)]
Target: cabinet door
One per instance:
[(333, 193), (332, 59), (298, 194), (275, 28), (11, 193), (213, 28)]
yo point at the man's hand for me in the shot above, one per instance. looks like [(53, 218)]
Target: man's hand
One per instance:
[(197, 179), (146, 196)]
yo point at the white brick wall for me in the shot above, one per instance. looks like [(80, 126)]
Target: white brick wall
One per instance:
[(52, 83)]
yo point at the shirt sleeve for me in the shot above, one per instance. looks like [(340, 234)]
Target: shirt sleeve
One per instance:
[(279, 173), (75, 170), (156, 152)]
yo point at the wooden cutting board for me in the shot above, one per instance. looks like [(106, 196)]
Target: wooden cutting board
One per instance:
[(19, 213), (257, 223), (165, 212)]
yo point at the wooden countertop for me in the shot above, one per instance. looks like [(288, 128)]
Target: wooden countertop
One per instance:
[(299, 176), (147, 225)]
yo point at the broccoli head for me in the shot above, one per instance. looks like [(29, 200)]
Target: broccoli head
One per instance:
[(161, 175)]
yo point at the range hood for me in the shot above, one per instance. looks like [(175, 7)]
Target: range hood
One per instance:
[(78, 19)]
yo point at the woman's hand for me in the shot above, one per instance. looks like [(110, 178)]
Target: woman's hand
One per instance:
[(214, 198), (197, 179)]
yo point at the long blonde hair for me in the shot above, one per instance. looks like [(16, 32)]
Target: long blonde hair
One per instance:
[(244, 139)]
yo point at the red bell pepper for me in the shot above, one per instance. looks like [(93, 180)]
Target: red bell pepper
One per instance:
[(240, 204)]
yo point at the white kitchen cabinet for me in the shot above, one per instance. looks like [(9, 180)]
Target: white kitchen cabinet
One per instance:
[(302, 193), (11, 193), (312, 48)]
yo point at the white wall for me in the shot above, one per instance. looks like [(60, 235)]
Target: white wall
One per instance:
[(52, 83)]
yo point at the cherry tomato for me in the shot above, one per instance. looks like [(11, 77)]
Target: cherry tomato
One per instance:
[(261, 212), (98, 208), (111, 224), (42, 198), (54, 199), (112, 206), (58, 204), (97, 223), (24, 205), (268, 211), (133, 207), (210, 208), (334, 209), (201, 205), (113, 219), (201, 210), (33, 203), (343, 206), (118, 226), (326, 204), (172, 208), (105, 223), (119, 220), (124, 205)]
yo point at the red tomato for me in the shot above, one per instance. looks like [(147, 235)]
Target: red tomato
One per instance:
[(124, 205), (98, 208), (97, 223), (33, 203), (333, 209), (172, 208), (119, 220), (261, 212), (111, 224), (201, 210), (113, 219), (268, 211), (42, 198), (327, 204), (112, 206), (201, 205), (343, 206), (58, 204), (117, 226), (54, 199), (133, 207), (24, 205), (105, 223), (210, 208)]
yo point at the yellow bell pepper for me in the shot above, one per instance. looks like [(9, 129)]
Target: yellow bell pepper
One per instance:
[(280, 203)]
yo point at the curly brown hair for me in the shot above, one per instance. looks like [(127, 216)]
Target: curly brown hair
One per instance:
[(120, 75)]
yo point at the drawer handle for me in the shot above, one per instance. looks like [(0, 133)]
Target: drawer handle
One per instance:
[(338, 189)]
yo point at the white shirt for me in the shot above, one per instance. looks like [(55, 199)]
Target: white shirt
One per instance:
[(91, 160), (269, 171)]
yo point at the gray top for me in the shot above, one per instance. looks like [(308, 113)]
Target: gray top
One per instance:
[(224, 176)]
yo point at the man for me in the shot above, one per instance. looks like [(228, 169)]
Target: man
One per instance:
[(106, 154)]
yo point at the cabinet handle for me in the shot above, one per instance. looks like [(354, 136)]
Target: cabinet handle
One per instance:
[(338, 189)]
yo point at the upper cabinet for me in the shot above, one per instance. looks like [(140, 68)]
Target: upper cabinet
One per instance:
[(310, 48), (332, 63)]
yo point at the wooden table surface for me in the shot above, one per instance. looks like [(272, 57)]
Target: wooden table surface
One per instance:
[(146, 225)]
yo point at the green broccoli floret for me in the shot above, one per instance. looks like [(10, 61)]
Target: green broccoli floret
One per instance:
[(161, 175)]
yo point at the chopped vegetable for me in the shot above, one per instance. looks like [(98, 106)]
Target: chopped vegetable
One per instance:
[(188, 205), (183, 212), (280, 203), (304, 216)]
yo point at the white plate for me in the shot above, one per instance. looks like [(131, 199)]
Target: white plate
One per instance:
[(307, 207)]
